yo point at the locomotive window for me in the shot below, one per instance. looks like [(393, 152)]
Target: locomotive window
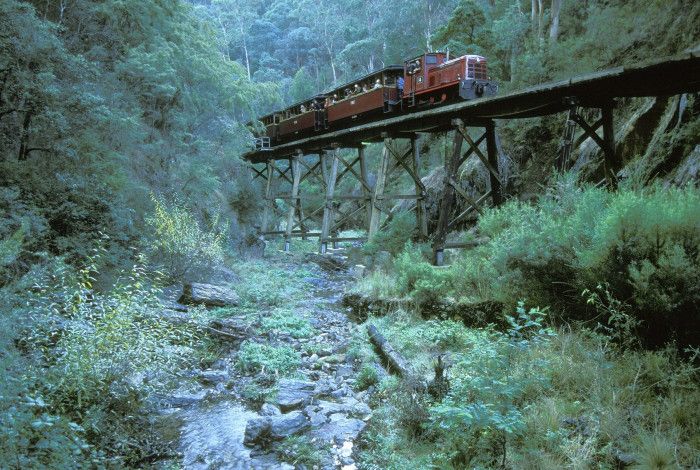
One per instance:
[(431, 59)]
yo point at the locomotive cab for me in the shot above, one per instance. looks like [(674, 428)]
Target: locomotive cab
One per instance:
[(476, 83), (432, 78)]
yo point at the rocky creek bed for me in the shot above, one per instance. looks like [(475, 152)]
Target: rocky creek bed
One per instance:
[(316, 406)]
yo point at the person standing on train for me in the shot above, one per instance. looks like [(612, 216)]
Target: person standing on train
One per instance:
[(399, 87)]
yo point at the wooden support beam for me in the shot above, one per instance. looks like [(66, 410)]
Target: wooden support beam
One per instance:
[(296, 176), (468, 211), (366, 189), (328, 210), (269, 202), (612, 164), (378, 193), (421, 213), (464, 195), (344, 217), (468, 153), (282, 174), (588, 130), (347, 239), (312, 171), (474, 147), (492, 150), (259, 173), (448, 193)]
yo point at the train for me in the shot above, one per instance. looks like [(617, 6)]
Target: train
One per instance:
[(430, 79)]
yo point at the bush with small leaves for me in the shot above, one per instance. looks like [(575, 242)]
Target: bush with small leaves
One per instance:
[(266, 359)]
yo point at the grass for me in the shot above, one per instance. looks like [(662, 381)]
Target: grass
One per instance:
[(575, 401), (266, 283), (286, 321), (259, 358)]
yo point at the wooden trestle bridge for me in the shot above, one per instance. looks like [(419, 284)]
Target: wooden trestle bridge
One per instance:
[(318, 157)]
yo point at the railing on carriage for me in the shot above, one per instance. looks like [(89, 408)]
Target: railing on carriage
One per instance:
[(262, 143)]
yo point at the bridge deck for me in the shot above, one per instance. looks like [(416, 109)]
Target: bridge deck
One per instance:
[(669, 76)]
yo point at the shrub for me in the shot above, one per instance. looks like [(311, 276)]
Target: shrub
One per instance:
[(367, 377), (180, 245), (89, 360), (260, 358), (286, 322), (443, 334), (394, 236), (646, 246), (483, 407), (643, 245), (300, 451), (426, 283)]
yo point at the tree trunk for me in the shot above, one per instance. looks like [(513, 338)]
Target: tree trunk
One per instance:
[(245, 51), (24, 137), (533, 16), (330, 57), (554, 26), (540, 19)]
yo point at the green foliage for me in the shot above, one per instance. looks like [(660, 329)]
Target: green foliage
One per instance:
[(443, 334), (529, 398), (641, 244), (417, 277), (88, 361), (487, 389), (264, 285), (302, 87), (258, 358), (394, 236), (299, 450), (180, 245), (367, 377), (288, 322)]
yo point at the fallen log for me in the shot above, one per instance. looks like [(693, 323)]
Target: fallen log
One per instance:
[(395, 360)]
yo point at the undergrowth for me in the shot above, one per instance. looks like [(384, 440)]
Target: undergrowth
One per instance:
[(643, 246), (532, 397)]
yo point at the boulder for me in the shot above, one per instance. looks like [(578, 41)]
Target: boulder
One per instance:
[(328, 262), (269, 409), (288, 424), (230, 328), (257, 430), (339, 429), (208, 295), (212, 377), (294, 393), (169, 298)]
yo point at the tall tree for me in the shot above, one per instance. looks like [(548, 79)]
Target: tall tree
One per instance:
[(555, 11)]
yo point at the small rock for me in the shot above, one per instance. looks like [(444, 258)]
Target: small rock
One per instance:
[(208, 295), (186, 399), (346, 449), (268, 409), (313, 358), (288, 424), (344, 371), (325, 352), (335, 359), (211, 377), (257, 430), (340, 393), (340, 430), (294, 393)]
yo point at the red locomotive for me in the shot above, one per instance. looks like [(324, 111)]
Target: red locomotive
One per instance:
[(429, 79)]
